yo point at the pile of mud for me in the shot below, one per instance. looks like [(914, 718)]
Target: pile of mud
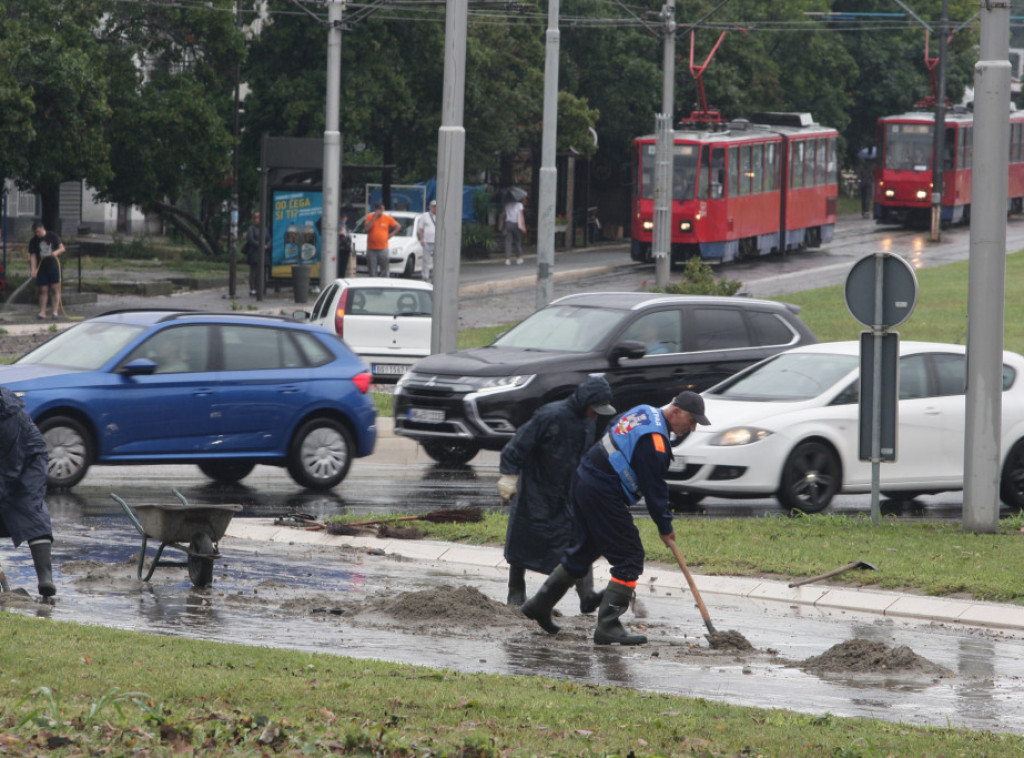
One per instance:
[(864, 656), (464, 607)]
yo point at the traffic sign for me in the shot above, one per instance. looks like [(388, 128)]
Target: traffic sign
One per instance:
[(881, 290)]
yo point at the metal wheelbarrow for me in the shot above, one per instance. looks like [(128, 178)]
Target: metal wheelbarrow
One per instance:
[(193, 529)]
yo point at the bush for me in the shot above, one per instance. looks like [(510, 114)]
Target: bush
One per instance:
[(699, 279), (477, 239)]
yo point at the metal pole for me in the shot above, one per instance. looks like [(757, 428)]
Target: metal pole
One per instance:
[(261, 275), (939, 142), (987, 271), (233, 238), (451, 160), (661, 238), (877, 333), (332, 148), (548, 170)]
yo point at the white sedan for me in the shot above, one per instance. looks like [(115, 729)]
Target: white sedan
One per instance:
[(405, 250), (386, 322), (788, 426)]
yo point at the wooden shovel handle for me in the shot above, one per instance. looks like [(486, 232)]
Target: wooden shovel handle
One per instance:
[(693, 586)]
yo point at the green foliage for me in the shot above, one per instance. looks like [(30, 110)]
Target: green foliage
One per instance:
[(482, 204), (478, 238), (699, 279)]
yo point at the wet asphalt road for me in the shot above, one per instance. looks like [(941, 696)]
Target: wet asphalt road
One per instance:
[(983, 693)]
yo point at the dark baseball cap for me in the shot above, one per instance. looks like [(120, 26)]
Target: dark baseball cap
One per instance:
[(694, 403)]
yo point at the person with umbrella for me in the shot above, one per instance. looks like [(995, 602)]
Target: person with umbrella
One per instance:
[(515, 223)]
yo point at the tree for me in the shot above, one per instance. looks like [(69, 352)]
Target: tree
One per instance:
[(172, 77), (58, 69)]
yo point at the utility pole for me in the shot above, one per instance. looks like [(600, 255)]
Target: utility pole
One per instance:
[(332, 149), (987, 272), (451, 161), (548, 169), (939, 143), (661, 239), (233, 233)]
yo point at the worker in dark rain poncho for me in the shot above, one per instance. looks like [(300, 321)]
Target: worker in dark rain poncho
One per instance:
[(23, 461), (630, 461), (536, 470)]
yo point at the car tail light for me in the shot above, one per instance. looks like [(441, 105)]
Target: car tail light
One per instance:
[(339, 314), (363, 381)]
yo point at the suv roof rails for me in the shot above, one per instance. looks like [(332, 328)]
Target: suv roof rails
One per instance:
[(176, 313)]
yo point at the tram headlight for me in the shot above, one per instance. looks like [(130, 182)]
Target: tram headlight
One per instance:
[(685, 226), (921, 194), (647, 225), (890, 194)]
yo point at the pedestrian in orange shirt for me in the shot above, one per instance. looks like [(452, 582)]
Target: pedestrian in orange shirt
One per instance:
[(380, 228)]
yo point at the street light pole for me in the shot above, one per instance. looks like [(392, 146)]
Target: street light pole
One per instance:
[(661, 239), (332, 149), (548, 169)]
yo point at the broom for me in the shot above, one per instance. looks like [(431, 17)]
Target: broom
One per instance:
[(443, 516)]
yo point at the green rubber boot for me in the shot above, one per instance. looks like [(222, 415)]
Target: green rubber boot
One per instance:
[(44, 567), (516, 586), (539, 606), (590, 601), (609, 630)]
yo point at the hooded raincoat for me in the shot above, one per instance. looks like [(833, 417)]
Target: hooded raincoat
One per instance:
[(544, 453), (23, 461)]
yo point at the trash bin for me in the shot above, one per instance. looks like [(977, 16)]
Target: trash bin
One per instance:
[(300, 283)]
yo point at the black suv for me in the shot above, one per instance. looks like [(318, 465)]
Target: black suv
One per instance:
[(648, 346)]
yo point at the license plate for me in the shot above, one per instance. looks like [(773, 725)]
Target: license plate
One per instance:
[(391, 369), (426, 415)]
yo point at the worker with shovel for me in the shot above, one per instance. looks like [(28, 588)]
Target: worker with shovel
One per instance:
[(629, 461), (24, 516), (536, 468)]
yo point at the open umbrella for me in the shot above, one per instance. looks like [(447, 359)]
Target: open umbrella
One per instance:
[(510, 195)]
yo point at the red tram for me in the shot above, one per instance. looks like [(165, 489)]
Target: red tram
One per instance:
[(903, 175), (742, 188)]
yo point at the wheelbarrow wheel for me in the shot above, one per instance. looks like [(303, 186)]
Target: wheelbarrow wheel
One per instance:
[(200, 570)]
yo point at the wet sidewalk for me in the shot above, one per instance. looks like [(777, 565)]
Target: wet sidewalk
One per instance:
[(659, 580)]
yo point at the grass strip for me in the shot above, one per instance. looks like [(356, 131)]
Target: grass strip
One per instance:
[(70, 690)]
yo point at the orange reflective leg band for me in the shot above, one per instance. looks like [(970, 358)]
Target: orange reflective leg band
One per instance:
[(631, 585)]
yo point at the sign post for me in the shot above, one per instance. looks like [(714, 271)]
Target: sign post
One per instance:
[(881, 292)]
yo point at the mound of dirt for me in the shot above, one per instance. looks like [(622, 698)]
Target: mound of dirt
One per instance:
[(729, 640), (465, 607), (864, 656)]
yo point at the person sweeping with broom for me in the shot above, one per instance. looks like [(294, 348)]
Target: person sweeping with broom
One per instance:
[(536, 470), (629, 461)]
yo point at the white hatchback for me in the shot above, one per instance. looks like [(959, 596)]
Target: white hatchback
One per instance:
[(405, 250), (789, 427), (386, 322)]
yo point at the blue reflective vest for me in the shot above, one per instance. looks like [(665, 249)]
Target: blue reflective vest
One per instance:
[(621, 440)]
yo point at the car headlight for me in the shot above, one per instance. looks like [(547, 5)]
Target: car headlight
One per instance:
[(484, 384), (19, 393), (741, 435)]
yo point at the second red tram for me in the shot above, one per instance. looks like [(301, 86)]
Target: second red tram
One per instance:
[(904, 174), (741, 189)]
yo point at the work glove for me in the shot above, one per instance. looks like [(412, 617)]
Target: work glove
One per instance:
[(507, 487)]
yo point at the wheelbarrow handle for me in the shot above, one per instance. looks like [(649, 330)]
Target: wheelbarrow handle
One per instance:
[(131, 515)]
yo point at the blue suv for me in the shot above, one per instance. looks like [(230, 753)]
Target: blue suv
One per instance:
[(223, 391)]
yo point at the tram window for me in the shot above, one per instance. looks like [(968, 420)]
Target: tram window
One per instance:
[(1014, 143), (718, 173), (771, 167), (821, 165), (745, 172), (684, 170), (757, 169), (833, 161), (796, 165), (645, 172), (948, 148), (968, 146), (732, 190), (960, 158)]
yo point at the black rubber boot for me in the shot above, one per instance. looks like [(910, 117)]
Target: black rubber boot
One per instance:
[(614, 603), (44, 567), (590, 601), (539, 606), (516, 586)]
